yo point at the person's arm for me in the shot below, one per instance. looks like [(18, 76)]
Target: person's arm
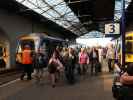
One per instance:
[(88, 60), (126, 79), (59, 63), (107, 54), (50, 61), (79, 57), (117, 68)]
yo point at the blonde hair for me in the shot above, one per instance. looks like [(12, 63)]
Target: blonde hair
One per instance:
[(82, 49)]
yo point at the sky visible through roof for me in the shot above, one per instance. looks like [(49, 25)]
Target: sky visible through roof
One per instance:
[(118, 8)]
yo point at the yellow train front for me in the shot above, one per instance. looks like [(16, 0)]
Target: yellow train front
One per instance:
[(129, 47)]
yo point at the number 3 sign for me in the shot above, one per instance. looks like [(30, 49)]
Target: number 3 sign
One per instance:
[(112, 28)]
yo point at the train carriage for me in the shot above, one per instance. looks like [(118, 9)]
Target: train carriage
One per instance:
[(129, 47), (38, 42)]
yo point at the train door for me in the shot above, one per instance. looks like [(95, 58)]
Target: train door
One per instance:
[(2, 62), (4, 59), (129, 48), (20, 48), (48, 47)]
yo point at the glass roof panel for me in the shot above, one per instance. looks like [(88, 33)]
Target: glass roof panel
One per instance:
[(72, 18), (53, 2), (83, 29), (42, 5), (47, 15), (39, 10), (118, 8), (28, 4), (53, 13), (62, 8), (93, 34)]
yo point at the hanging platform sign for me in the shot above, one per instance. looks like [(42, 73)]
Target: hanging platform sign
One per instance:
[(112, 28)]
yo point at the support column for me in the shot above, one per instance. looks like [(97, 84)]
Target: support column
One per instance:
[(123, 31)]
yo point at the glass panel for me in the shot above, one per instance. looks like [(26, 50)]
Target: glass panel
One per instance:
[(63, 23), (53, 2), (33, 1), (28, 4), (42, 5), (71, 17), (83, 30), (127, 3), (53, 13), (46, 8), (38, 10), (92, 34), (118, 5), (61, 8), (77, 32), (118, 12), (47, 15), (20, 0)]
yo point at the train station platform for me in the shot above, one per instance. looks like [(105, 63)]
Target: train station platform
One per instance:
[(86, 88)]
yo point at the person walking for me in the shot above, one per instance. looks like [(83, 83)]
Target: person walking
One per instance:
[(69, 63), (54, 66), (40, 64), (94, 60), (110, 57), (83, 61), (27, 62)]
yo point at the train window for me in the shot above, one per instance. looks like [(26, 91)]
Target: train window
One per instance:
[(129, 47), (29, 42), (129, 38), (1, 51)]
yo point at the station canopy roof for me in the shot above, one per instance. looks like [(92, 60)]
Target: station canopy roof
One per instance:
[(58, 12), (77, 16)]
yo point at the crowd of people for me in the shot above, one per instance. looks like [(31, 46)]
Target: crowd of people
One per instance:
[(72, 62), (66, 60)]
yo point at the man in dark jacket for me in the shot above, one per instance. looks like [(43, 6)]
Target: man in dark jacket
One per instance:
[(69, 63), (94, 59)]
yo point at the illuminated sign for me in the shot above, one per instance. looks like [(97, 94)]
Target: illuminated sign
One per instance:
[(112, 28)]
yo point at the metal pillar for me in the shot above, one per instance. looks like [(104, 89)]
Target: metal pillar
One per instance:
[(32, 26), (123, 31)]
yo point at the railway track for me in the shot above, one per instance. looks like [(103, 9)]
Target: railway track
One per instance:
[(9, 76)]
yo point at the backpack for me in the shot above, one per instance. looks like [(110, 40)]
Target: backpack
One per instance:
[(26, 57)]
